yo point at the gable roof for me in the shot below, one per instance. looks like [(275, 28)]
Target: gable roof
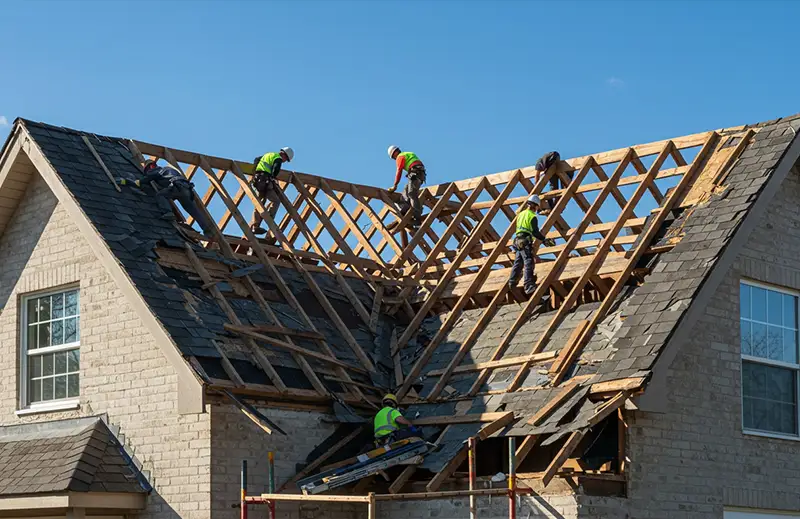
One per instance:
[(441, 326), (79, 455)]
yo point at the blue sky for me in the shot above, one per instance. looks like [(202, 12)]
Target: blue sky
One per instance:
[(472, 87)]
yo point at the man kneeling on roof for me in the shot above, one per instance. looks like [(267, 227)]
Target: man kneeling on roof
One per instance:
[(527, 230), (264, 181), (415, 171), (172, 185), (388, 421)]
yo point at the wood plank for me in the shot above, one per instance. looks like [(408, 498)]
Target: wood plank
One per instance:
[(247, 331), (461, 419), (524, 449), (425, 226), (608, 408), (492, 427), (554, 403), (404, 476), (502, 363), (102, 164), (624, 384), (622, 433), (376, 309), (571, 344), (561, 456), (447, 470), (282, 330)]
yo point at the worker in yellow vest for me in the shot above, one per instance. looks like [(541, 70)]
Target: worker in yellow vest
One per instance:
[(415, 171), (267, 167), (527, 230), (388, 422)]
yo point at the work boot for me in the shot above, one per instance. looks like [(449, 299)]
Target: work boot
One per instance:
[(259, 230), (530, 290)]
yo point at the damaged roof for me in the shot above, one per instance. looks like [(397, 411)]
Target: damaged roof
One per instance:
[(429, 312)]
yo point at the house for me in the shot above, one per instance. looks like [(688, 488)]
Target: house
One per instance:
[(653, 373)]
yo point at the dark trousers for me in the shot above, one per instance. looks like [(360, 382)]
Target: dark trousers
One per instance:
[(398, 435), (411, 201), (267, 190), (183, 193), (523, 262)]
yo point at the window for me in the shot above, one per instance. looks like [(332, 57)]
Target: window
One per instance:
[(769, 359), (50, 348)]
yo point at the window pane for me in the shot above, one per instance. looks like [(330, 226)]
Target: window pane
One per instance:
[(71, 330), (44, 335), (775, 342), (71, 305), (61, 362), (47, 364), (759, 346), (73, 385), (33, 305), (35, 366), (44, 308), (790, 346), (58, 306), (35, 390), (61, 387), (33, 337), (744, 300), (73, 361), (774, 307), (759, 303), (57, 333), (789, 311), (769, 398), (746, 339), (47, 389)]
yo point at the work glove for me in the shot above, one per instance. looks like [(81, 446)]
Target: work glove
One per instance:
[(392, 189), (548, 242), (124, 181)]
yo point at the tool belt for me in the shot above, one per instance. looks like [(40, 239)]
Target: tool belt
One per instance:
[(522, 241), (262, 181), (417, 171)]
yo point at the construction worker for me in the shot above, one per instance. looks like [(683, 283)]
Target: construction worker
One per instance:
[(388, 423), (527, 230), (544, 163), (415, 171), (267, 168), (172, 185)]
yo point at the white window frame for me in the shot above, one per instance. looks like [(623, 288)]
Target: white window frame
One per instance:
[(771, 362), (26, 407)]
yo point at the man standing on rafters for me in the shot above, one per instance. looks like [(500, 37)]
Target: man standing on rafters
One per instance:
[(267, 167), (415, 171), (527, 230)]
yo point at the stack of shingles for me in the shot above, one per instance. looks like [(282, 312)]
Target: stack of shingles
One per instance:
[(658, 306)]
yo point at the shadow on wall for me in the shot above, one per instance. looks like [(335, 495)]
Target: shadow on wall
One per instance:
[(15, 249)]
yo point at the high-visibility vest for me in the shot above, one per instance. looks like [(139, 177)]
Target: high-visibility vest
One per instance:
[(410, 157), (266, 162), (525, 221), (386, 421)]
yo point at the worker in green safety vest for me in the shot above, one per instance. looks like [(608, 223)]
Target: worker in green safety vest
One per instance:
[(388, 423), (415, 171), (267, 167), (527, 230)]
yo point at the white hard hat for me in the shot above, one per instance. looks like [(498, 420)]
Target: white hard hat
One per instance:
[(289, 153), (392, 149), (534, 199)]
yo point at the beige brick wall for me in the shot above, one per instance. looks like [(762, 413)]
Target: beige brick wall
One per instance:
[(123, 372), (693, 460)]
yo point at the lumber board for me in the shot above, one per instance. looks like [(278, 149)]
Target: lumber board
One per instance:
[(502, 363), (566, 352), (282, 330), (608, 408), (624, 384), (554, 403), (561, 456), (461, 419), (425, 225), (246, 331), (496, 425), (447, 470), (524, 449), (404, 476)]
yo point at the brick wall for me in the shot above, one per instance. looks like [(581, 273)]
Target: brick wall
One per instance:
[(693, 460), (123, 373)]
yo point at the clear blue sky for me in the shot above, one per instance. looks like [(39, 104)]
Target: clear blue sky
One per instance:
[(472, 87)]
